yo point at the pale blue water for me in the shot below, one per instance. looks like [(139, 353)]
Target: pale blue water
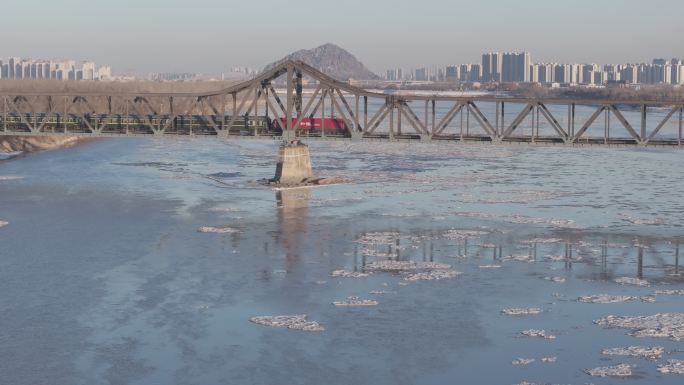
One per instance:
[(106, 280)]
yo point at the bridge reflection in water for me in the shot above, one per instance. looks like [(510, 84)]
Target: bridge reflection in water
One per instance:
[(256, 109), (293, 213)]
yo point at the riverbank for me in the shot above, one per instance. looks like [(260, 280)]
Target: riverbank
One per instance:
[(27, 144)]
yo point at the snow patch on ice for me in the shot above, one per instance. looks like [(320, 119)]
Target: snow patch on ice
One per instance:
[(295, 322)]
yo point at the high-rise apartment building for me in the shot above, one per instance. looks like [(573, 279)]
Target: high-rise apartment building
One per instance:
[(491, 67), (515, 67)]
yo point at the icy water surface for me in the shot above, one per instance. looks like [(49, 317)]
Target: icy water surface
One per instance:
[(160, 262)]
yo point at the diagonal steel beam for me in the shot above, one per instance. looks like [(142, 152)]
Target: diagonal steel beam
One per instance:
[(411, 119), (553, 121), (307, 108), (519, 119), (380, 114), (624, 122), (235, 116), (346, 120), (482, 120), (662, 124), (13, 106), (412, 115), (588, 123), (448, 118)]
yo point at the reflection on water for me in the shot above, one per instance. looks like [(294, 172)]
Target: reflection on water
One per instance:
[(293, 212)]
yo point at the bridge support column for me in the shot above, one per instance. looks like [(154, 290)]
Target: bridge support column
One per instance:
[(294, 163)]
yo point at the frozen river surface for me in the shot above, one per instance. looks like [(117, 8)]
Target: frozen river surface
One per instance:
[(160, 262)]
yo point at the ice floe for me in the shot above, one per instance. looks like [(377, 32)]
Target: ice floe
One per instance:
[(549, 360), (380, 292), (631, 281), (405, 265), (541, 333), (642, 221), (521, 311), (296, 322), (651, 353), (378, 238), (355, 301), (522, 361), (517, 258), (433, 275), (10, 177), (672, 367), (661, 325), (3, 223), (669, 292), (455, 234), (605, 298), (555, 279), (620, 370), (218, 230), (489, 266), (562, 258), (348, 274), (541, 241)]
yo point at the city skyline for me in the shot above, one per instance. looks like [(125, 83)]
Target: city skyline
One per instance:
[(159, 36)]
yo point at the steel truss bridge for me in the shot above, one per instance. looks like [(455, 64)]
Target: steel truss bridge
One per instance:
[(257, 109)]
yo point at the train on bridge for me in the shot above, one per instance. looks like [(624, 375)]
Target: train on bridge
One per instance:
[(185, 124)]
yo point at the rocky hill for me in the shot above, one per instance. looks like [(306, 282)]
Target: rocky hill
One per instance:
[(333, 61)]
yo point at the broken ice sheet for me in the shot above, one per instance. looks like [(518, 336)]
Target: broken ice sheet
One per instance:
[(522, 361), (405, 265), (672, 367), (631, 281), (661, 325), (651, 353), (348, 274), (549, 360), (555, 279), (620, 370), (538, 333), (295, 322), (605, 298), (218, 230), (355, 301), (521, 311)]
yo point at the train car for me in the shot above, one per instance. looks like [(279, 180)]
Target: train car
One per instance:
[(331, 126)]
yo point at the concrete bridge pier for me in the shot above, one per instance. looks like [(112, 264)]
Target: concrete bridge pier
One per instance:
[(294, 163)]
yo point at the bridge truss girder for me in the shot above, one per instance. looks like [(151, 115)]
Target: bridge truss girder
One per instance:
[(227, 113)]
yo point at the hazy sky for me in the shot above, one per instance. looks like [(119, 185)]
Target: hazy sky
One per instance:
[(213, 35)]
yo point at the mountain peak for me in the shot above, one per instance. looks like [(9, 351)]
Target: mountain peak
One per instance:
[(332, 60)]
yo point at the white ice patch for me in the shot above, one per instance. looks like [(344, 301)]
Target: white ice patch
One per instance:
[(490, 266), (517, 258), (522, 361), (643, 220), (669, 292), (348, 274), (541, 241), (405, 266), (355, 301), (218, 230), (433, 275), (520, 311), (296, 322), (549, 360), (651, 353), (555, 279), (3, 223), (631, 281), (455, 234), (661, 325), (620, 370), (541, 333), (10, 177), (605, 298), (562, 258), (379, 238), (672, 367)]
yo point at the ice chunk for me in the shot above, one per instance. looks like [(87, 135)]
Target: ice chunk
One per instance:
[(631, 281), (520, 311), (669, 292), (538, 333), (642, 221), (405, 266), (489, 266), (605, 298), (455, 234), (662, 325), (549, 360), (355, 301), (523, 361), (555, 279), (433, 275), (672, 367), (517, 258), (620, 370), (10, 177), (218, 230), (296, 322), (3, 223), (652, 353), (348, 274)]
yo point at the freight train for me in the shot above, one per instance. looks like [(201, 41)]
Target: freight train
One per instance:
[(185, 124)]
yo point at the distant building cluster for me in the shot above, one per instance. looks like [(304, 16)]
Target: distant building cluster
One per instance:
[(19, 68), (517, 67)]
